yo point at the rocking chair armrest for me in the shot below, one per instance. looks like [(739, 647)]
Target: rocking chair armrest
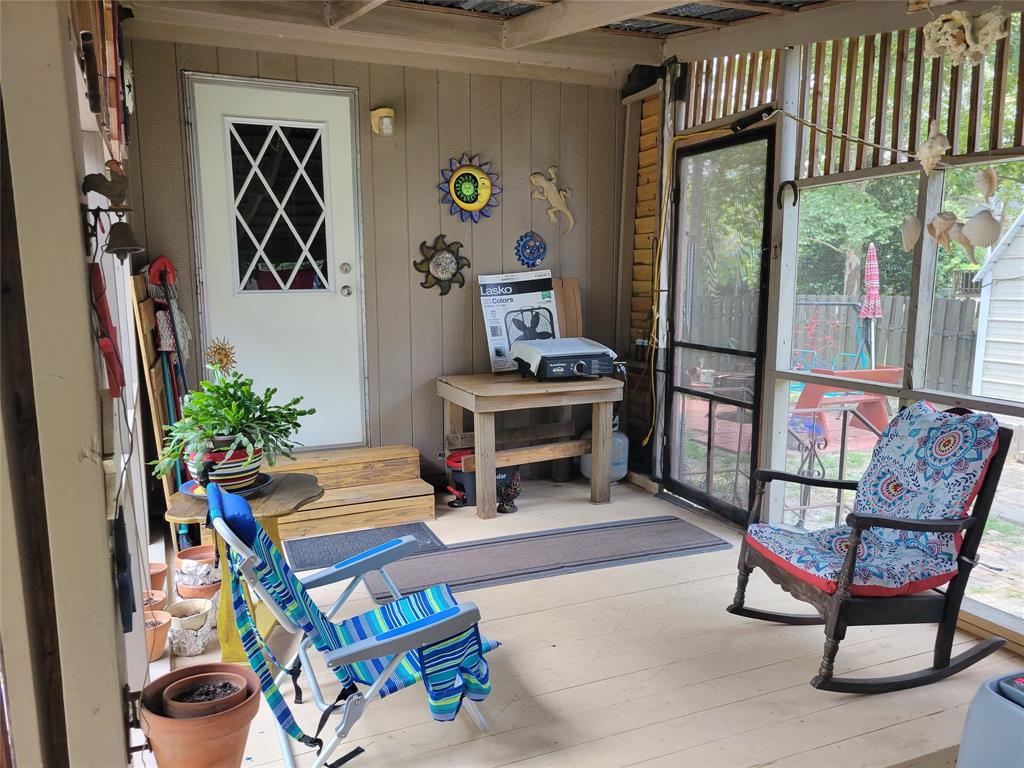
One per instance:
[(767, 475), (415, 635), (863, 522), (371, 560)]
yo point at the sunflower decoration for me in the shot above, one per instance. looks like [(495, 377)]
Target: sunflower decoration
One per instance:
[(441, 264), (469, 188), (220, 355)]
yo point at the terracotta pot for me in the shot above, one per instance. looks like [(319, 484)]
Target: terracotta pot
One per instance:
[(204, 553), (236, 471), (190, 614), (154, 600), (157, 575), (201, 591), (156, 637), (183, 709), (213, 741)]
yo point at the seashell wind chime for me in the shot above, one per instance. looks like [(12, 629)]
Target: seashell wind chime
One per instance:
[(981, 229)]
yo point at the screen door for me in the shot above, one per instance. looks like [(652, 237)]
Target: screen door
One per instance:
[(717, 328)]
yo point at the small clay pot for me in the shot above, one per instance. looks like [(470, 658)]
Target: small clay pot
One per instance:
[(157, 575), (184, 709), (200, 591), (204, 553), (190, 614), (154, 600), (156, 637), (215, 740)]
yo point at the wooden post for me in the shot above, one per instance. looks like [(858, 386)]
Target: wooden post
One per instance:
[(486, 489), (601, 458)]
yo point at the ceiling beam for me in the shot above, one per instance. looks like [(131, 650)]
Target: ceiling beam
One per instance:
[(392, 35), (684, 21), (739, 5), (572, 16), (338, 13)]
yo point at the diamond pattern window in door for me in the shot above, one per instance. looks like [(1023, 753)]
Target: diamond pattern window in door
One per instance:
[(277, 174)]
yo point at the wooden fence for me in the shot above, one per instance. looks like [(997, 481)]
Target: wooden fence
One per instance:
[(828, 333)]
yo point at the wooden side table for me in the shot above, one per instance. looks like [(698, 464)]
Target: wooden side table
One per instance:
[(485, 394), (286, 494)]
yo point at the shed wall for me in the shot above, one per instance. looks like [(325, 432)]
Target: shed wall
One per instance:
[(1002, 372)]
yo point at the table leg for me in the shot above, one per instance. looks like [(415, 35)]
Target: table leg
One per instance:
[(231, 649), (486, 487), (601, 454), (452, 418), (561, 468)]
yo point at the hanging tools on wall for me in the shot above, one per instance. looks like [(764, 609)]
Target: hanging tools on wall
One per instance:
[(173, 339)]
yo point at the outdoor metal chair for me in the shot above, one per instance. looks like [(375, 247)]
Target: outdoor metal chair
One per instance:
[(912, 531), (426, 636)]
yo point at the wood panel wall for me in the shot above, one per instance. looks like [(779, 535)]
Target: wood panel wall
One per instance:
[(413, 335), (645, 229)]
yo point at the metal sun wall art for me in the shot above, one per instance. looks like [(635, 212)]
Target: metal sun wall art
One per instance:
[(469, 188), (557, 199), (441, 264), (531, 249)]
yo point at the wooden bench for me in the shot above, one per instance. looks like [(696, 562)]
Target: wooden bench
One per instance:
[(363, 488)]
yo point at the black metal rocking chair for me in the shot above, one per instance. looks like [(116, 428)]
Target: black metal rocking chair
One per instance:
[(843, 607)]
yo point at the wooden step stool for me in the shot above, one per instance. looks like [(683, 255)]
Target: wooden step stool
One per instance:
[(363, 488)]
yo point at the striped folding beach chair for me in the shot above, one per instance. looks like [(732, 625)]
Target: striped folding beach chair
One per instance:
[(423, 637)]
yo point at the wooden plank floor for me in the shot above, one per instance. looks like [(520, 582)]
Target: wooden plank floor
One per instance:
[(641, 666)]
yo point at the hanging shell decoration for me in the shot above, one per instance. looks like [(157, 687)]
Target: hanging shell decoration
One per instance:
[(939, 228), (441, 264), (963, 37), (469, 188), (956, 234), (986, 181), (932, 148), (911, 231), (983, 228)]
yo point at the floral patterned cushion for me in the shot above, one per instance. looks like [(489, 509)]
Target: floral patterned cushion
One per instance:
[(927, 465), (884, 567)]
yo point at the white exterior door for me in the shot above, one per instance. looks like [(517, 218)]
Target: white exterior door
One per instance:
[(279, 248)]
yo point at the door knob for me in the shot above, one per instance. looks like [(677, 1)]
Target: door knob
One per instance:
[(345, 268), (346, 290)]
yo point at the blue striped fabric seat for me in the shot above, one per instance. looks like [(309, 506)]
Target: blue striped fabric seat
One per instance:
[(450, 669)]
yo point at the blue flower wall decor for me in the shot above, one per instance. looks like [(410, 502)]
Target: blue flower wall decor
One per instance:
[(531, 249)]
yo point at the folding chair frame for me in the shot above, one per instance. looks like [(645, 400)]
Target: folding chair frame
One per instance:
[(840, 610), (356, 569)]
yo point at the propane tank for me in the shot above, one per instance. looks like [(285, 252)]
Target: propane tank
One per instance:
[(620, 454)]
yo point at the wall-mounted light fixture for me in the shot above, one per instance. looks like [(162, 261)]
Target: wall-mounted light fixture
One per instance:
[(382, 121)]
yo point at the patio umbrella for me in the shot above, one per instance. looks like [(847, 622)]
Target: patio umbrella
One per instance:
[(871, 306)]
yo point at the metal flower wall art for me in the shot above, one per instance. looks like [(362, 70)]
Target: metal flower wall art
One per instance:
[(531, 249), (469, 188), (441, 264), (963, 37)]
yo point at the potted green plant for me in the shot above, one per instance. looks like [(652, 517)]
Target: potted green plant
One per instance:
[(228, 423)]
